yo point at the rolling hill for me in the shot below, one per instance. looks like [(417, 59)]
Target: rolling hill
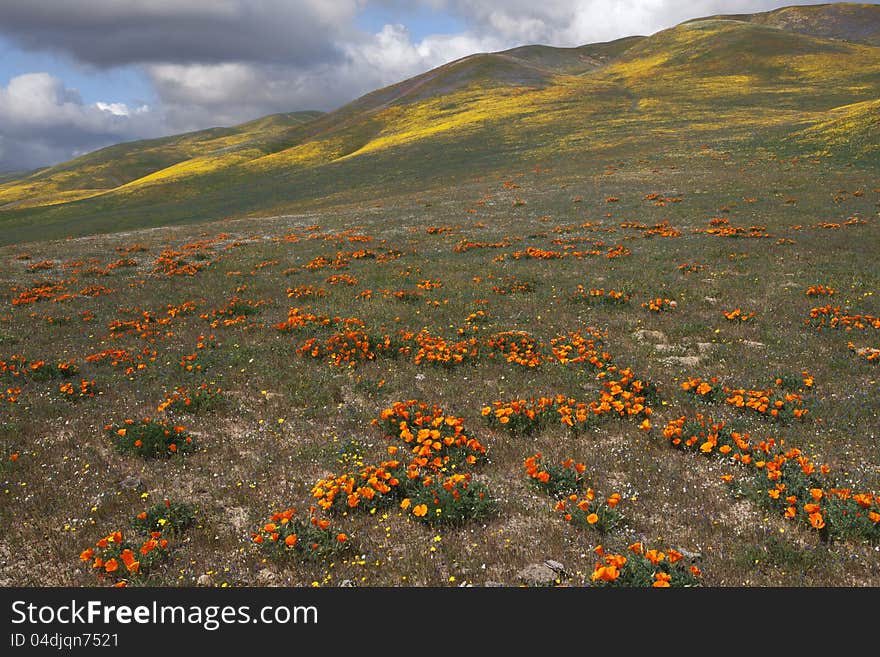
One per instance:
[(794, 81)]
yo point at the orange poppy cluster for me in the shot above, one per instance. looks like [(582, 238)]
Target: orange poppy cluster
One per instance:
[(721, 227), (350, 490), (301, 291), (341, 260), (285, 534), (737, 314), (819, 290), (870, 354), (792, 481), (598, 296), (150, 438), (467, 245), (86, 389), (771, 403), (435, 484), (774, 404), (120, 561), (512, 285), (435, 350), (43, 291), (660, 304), (173, 263), (183, 398), (703, 435), (833, 318), (623, 397), (643, 568), (568, 477), (706, 390), (437, 441), (661, 229), (590, 511)]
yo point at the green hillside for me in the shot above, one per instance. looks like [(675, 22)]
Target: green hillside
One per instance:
[(773, 83)]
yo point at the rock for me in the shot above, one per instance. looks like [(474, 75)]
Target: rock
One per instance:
[(205, 580), (705, 347), (557, 567), (690, 556), (753, 344), (267, 577), (347, 584), (491, 584), (644, 335), (684, 361), (539, 574), (131, 483), (237, 518), (663, 348)]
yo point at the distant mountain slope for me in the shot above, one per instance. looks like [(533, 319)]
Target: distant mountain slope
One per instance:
[(114, 166), (752, 83), (858, 23)]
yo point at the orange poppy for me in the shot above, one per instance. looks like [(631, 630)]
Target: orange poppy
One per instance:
[(290, 540), (592, 519), (654, 556), (111, 565), (420, 510), (661, 580)]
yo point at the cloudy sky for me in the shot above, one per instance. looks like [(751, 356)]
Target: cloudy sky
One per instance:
[(76, 75)]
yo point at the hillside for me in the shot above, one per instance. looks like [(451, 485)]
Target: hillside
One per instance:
[(763, 83)]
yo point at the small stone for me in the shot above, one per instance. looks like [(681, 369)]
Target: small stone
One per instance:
[(237, 518), (663, 348), (685, 361), (538, 574), (131, 483), (705, 347), (205, 580), (347, 584), (644, 335), (267, 577), (555, 566), (753, 344), (492, 584)]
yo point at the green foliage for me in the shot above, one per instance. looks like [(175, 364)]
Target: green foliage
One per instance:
[(150, 438), (170, 518), (313, 539)]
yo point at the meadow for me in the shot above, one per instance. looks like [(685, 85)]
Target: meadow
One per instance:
[(651, 369)]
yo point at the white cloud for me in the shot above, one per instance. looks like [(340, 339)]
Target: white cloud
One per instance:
[(42, 121)]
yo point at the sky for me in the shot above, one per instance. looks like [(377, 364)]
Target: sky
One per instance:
[(78, 75)]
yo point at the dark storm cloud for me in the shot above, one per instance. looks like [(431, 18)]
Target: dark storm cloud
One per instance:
[(110, 33)]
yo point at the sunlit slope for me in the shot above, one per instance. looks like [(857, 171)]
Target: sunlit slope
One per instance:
[(854, 129), (118, 165), (733, 83)]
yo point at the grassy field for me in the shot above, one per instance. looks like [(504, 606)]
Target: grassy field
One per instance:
[(299, 341)]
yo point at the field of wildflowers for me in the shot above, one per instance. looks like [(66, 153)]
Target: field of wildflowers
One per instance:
[(671, 381)]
